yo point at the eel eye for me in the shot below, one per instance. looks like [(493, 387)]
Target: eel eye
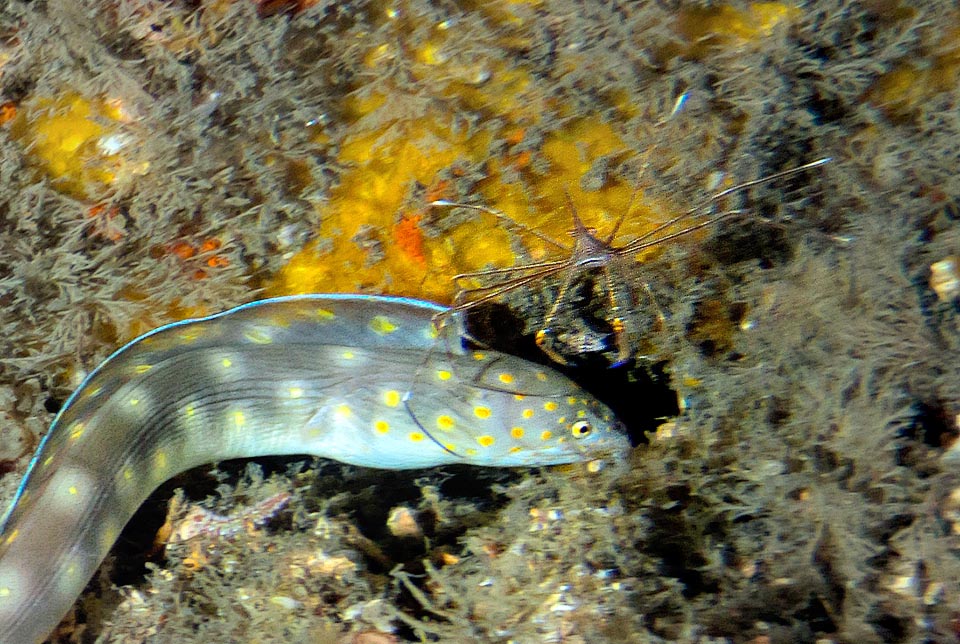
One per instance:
[(581, 428)]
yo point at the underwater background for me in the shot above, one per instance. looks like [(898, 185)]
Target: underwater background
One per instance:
[(792, 384)]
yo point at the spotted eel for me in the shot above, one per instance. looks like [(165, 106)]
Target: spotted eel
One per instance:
[(366, 380)]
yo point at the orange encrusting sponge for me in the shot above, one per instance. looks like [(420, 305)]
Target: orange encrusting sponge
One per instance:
[(79, 143), (373, 241)]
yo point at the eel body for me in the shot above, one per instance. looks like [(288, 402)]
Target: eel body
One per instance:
[(366, 380)]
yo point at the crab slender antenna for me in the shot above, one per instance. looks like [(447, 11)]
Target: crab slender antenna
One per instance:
[(644, 241), (503, 217), (767, 179)]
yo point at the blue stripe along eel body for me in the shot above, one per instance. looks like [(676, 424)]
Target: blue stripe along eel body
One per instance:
[(366, 380)]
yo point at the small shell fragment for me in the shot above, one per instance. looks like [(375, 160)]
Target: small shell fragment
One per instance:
[(402, 522), (286, 603), (945, 278)]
